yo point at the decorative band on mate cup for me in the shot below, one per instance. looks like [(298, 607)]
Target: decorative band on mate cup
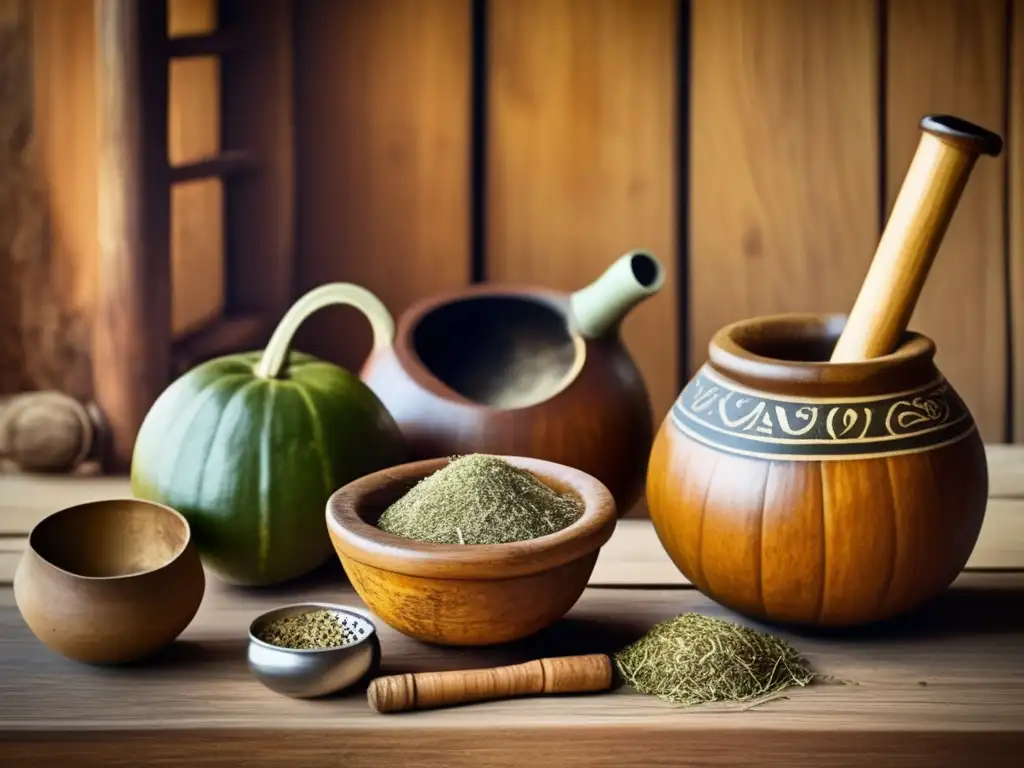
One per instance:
[(728, 417)]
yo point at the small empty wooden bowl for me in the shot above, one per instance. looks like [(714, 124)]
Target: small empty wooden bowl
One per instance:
[(467, 594), (109, 581)]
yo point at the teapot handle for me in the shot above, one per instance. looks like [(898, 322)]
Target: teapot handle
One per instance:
[(349, 294)]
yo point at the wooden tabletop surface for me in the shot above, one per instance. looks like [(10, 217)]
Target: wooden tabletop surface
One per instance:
[(942, 687)]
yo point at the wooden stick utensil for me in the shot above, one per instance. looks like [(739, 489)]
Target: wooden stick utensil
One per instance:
[(931, 190), (429, 690)]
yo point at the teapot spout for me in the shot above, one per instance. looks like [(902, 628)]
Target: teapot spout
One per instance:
[(602, 305)]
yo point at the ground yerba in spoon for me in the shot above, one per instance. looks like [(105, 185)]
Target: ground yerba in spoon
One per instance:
[(305, 631), (693, 659), (480, 499)]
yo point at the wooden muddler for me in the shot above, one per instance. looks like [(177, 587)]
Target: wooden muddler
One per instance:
[(429, 690), (931, 190)]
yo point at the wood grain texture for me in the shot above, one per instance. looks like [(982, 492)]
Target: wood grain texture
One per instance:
[(431, 690), (635, 557), (571, 746), (821, 573), (947, 152), (938, 689), (581, 160), (58, 292), (59, 299), (25, 499), (793, 542), (949, 57), (783, 159), (18, 186), (383, 147), (883, 525), (731, 531), (859, 552), (681, 535), (1015, 211), (131, 335), (451, 594), (259, 121)]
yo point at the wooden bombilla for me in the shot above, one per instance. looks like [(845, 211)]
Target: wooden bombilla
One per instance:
[(931, 190), (429, 690)]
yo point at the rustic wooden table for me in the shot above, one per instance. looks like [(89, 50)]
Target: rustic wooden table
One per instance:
[(943, 687)]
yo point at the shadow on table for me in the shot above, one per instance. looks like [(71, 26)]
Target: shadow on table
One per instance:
[(193, 653), (568, 637), (328, 575), (962, 610)]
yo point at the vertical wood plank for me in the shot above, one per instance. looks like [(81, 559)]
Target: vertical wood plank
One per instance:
[(258, 117), (61, 293), (949, 56), (64, 78), (18, 191), (581, 155), (131, 339), (197, 208), (1015, 158), (784, 158), (382, 108)]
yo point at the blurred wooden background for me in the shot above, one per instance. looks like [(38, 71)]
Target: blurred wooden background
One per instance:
[(415, 145)]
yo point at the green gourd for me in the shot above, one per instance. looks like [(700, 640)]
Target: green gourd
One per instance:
[(248, 447)]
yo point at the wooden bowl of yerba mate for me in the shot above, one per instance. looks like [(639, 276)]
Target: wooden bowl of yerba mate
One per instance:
[(471, 550)]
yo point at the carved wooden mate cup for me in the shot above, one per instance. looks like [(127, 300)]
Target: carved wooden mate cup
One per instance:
[(819, 470)]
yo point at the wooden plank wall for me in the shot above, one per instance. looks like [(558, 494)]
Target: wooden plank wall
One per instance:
[(950, 56), (755, 145), (1016, 218), (383, 146), (581, 109), (56, 285), (56, 346), (784, 149)]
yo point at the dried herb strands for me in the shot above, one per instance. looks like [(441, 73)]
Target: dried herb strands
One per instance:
[(315, 629), (693, 659), (480, 499)]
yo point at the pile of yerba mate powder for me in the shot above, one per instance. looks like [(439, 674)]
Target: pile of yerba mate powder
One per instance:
[(480, 499), (694, 659)]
